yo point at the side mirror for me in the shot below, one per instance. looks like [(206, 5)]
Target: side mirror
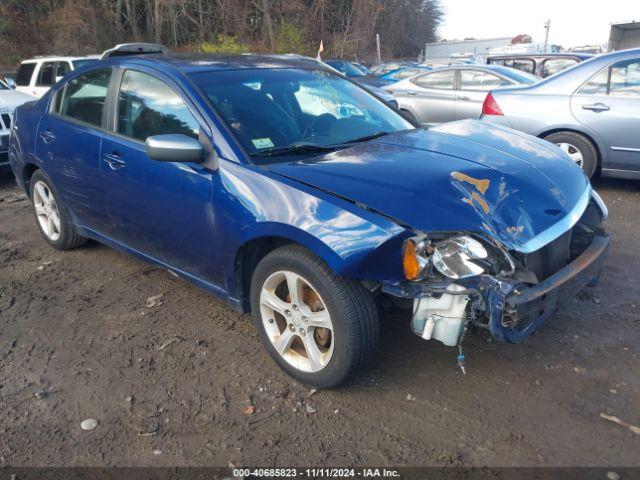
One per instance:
[(11, 82), (174, 148)]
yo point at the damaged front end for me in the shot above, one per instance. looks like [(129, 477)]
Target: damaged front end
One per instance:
[(463, 280)]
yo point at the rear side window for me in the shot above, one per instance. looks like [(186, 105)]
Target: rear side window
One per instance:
[(23, 78), (555, 65), (147, 106), (625, 79), (63, 69), (84, 97), (524, 64), (478, 80), (439, 80), (46, 77), (597, 85)]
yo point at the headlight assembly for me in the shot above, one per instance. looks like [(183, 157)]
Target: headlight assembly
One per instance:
[(454, 257), (414, 258)]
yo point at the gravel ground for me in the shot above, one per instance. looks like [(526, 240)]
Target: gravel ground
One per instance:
[(186, 382)]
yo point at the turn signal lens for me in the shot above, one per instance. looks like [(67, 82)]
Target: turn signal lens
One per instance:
[(410, 261)]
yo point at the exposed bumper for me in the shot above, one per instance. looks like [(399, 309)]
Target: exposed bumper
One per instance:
[(525, 310), (514, 309)]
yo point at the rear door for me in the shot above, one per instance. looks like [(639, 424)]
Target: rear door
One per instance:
[(473, 88), (68, 144), (430, 97), (609, 104), (161, 209)]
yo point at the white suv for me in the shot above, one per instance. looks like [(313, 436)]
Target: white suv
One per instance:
[(9, 100), (36, 76)]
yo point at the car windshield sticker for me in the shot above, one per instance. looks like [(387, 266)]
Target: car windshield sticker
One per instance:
[(260, 143)]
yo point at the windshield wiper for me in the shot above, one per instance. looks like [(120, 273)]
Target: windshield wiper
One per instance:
[(295, 150), (305, 148), (367, 138)]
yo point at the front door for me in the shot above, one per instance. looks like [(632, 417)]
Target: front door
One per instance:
[(609, 104), (161, 209)]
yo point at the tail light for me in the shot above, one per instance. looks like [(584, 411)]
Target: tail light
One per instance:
[(490, 106)]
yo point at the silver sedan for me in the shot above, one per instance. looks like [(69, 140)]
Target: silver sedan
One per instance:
[(453, 93), (591, 111)]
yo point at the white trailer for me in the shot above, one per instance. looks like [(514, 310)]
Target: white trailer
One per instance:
[(624, 35)]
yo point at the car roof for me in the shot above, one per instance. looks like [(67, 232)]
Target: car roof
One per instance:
[(472, 66), (567, 81), (583, 56), (58, 59), (192, 63)]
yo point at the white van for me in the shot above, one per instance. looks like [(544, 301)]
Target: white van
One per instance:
[(35, 76)]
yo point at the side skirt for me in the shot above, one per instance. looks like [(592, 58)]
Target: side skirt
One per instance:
[(197, 281), (627, 174)]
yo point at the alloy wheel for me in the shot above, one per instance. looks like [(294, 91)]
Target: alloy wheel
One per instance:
[(297, 321), (47, 210), (572, 151)]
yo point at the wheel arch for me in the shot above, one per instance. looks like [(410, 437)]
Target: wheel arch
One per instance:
[(591, 138), (361, 260), (254, 249), (27, 172)]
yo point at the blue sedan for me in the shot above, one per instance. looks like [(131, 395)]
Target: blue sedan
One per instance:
[(291, 192)]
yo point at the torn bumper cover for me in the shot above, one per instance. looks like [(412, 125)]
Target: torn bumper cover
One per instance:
[(508, 308), (516, 314)]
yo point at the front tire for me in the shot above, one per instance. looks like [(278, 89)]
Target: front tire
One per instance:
[(579, 148), (52, 218), (319, 327)]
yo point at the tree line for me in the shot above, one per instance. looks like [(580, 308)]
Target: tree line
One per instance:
[(347, 28)]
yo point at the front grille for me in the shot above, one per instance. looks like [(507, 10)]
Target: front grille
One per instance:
[(5, 121)]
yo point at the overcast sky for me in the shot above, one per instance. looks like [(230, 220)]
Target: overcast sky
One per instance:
[(573, 22)]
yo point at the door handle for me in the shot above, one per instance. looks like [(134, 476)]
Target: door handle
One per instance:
[(463, 97), (597, 107), (413, 94), (47, 136), (114, 161)]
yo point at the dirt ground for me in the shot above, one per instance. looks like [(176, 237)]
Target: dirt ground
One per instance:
[(170, 384)]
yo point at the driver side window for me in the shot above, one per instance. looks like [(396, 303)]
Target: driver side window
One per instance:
[(147, 107)]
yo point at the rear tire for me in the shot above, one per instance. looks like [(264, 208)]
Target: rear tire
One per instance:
[(52, 217), (351, 326), (579, 147)]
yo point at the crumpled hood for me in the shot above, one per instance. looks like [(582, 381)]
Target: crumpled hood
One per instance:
[(461, 176), (10, 99)]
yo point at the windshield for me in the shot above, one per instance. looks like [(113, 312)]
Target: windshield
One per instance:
[(519, 76), (279, 112), (3, 86), (346, 68)]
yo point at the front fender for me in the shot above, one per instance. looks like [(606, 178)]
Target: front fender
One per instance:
[(353, 241)]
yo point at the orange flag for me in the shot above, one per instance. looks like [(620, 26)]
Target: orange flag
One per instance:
[(320, 50)]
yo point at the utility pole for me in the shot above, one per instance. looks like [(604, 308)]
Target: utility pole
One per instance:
[(547, 26), (378, 47)]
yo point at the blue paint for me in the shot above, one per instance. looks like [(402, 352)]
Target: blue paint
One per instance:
[(354, 207)]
